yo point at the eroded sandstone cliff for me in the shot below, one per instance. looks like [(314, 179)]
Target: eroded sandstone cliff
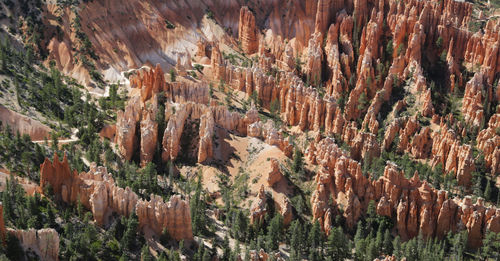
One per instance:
[(97, 191)]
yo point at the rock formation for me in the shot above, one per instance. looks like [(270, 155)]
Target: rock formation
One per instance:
[(472, 105), (331, 67), (446, 149), (274, 175), (98, 192), (24, 125), (488, 140), (417, 207), (270, 135), (126, 125), (149, 136), (44, 242), (207, 131), (259, 208), (149, 82), (260, 255), (247, 31)]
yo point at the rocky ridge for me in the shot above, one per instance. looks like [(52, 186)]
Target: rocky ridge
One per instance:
[(44, 242), (98, 192), (414, 204)]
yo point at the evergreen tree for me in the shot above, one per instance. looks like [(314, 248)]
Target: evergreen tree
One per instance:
[(459, 243), (237, 251), (387, 244), (359, 242), (411, 250), (371, 250), (240, 226), (198, 256), (396, 245), (51, 216), (294, 255), (371, 214), (337, 245), (491, 246), (226, 250), (315, 236), (274, 231), (162, 257), (206, 255), (296, 236), (129, 236), (379, 238), (274, 109), (198, 207), (172, 75), (297, 161), (314, 255), (145, 254), (487, 191)]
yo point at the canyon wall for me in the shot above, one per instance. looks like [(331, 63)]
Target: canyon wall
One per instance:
[(23, 124)]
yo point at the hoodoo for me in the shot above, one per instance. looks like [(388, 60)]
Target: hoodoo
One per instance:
[(301, 130)]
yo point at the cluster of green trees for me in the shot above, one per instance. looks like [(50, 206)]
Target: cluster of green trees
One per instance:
[(49, 92), (80, 239), (143, 182), (22, 211), (19, 155), (198, 209), (483, 186), (115, 100)]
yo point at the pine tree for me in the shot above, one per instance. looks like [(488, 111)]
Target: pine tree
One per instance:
[(172, 75), (359, 242), (274, 231), (162, 257), (237, 251), (459, 243), (198, 206), (226, 250), (206, 255), (129, 236), (387, 244), (396, 245), (371, 214), (411, 250), (246, 254), (240, 226), (296, 236), (275, 109), (297, 161), (294, 255), (337, 245), (314, 255), (145, 254), (371, 250), (79, 208), (199, 253), (315, 236), (51, 216), (491, 246), (379, 238), (487, 191)]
